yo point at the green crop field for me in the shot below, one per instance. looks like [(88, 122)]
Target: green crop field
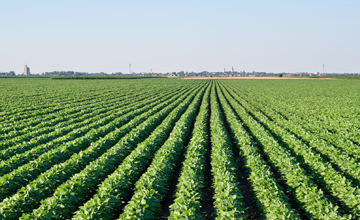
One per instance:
[(162, 148)]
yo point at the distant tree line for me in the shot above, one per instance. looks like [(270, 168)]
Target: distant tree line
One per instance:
[(11, 73), (183, 74), (220, 74), (73, 73), (102, 77)]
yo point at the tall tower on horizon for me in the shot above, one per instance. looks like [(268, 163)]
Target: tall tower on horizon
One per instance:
[(130, 68), (232, 69), (26, 70), (224, 70)]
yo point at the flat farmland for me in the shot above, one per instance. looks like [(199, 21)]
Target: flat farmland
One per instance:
[(179, 149)]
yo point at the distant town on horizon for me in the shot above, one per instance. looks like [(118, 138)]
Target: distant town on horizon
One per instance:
[(224, 73)]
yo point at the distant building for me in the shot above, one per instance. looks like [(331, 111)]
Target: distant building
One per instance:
[(26, 70), (316, 73), (301, 73)]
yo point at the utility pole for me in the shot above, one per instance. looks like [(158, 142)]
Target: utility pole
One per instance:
[(323, 68)]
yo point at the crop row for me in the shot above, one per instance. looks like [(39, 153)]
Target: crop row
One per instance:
[(33, 123), (45, 134), (189, 193), (93, 123), (70, 195), (342, 138), (35, 99), (312, 199), (270, 196), (328, 177), (57, 98), (60, 173), (62, 101), (227, 195), (114, 190), (339, 120), (9, 183), (54, 122), (18, 111), (16, 118)]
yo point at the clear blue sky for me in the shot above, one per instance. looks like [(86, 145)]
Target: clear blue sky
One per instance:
[(166, 36)]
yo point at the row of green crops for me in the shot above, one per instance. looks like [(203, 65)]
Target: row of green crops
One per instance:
[(69, 113), (300, 184), (179, 149), (152, 185), (68, 149), (87, 126), (270, 197), (78, 187), (187, 203)]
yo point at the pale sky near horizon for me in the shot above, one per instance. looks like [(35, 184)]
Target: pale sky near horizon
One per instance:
[(167, 36)]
